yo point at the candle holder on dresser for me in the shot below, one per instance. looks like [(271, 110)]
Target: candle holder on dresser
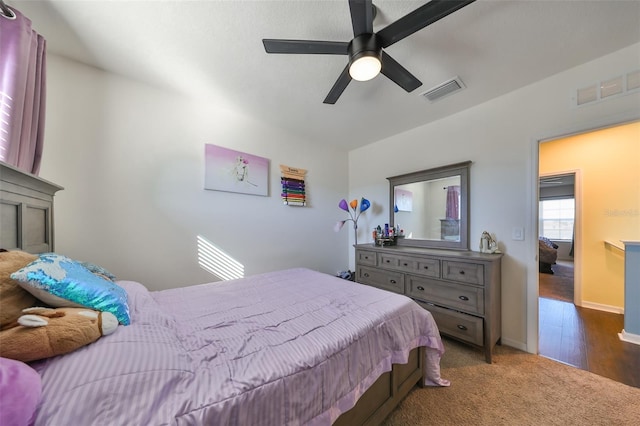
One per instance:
[(386, 241)]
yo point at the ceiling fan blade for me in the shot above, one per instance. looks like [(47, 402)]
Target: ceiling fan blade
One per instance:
[(306, 46), (341, 83), (399, 74), (418, 19), (361, 16)]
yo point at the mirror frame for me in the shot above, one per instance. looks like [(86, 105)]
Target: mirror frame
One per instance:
[(458, 169)]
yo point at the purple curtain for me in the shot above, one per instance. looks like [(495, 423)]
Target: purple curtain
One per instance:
[(22, 92), (453, 202)]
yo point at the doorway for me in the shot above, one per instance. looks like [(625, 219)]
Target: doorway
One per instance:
[(556, 241), (560, 336), (582, 330)]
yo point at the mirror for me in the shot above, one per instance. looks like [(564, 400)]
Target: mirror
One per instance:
[(432, 207)]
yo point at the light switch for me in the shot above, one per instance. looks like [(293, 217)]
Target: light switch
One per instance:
[(517, 234)]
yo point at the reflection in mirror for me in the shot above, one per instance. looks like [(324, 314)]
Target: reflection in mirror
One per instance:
[(429, 210), (431, 207)]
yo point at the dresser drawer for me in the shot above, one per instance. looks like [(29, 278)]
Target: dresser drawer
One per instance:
[(366, 257), (386, 280), (391, 261), (471, 273), (456, 324), (457, 296), (423, 266), (429, 267)]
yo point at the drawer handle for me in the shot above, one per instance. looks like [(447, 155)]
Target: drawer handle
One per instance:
[(366, 275), (465, 298), (426, 267), (366, 257), (461, 272), (420, 288), (462, 327), (405, 264), (392, 281), (388, 261)]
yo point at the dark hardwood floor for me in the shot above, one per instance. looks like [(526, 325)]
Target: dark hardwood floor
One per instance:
[(587, 339)]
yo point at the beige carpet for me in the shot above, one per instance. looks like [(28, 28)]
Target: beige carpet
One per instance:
[(517, 389)]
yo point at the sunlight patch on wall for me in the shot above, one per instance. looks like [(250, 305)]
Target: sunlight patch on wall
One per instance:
[(5, 114), (217, 262)]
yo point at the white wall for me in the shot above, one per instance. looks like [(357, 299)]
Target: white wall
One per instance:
[(410, 221), (564, 250), (500, 138), (130, 157)]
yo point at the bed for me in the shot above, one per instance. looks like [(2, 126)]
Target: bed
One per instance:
[(547, 255), (288, 347)]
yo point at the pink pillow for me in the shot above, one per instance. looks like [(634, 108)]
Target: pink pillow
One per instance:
[(20, 391)]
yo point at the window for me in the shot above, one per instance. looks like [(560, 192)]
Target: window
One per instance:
[(556, 218)]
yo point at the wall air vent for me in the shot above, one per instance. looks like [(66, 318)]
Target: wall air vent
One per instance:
[(610, 88), (633, 80), (444, 89), (587, 94)]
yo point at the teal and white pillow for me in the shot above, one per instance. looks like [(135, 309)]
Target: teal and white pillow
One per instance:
[(99, 270), (63, 282)]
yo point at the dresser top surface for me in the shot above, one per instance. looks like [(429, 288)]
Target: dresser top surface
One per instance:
[(455, 254)]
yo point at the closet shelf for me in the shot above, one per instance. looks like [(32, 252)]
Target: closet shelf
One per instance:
[(614, 245)]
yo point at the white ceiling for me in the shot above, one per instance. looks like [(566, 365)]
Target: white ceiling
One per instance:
[(213, 49)]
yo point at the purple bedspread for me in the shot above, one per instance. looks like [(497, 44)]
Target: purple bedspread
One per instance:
[(289, 347)]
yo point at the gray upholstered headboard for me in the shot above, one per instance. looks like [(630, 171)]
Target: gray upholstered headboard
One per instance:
[(26, 211)]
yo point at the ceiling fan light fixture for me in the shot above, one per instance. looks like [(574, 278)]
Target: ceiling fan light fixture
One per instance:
[(365, 67), (365, 57)]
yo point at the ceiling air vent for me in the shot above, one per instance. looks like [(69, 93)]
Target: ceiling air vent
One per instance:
[(444, 89)]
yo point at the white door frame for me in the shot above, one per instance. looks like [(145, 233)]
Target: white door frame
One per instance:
[(532, 290)]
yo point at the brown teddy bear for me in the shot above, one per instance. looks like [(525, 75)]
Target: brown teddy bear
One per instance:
[(13, 298), (45, 332), (28, 333)]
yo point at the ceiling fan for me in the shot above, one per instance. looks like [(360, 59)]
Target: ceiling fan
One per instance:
[(366, 55)]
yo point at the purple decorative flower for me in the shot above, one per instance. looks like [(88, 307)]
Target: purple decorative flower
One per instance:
[(353, 217)]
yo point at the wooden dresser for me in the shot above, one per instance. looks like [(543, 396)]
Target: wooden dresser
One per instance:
[(461, 289)]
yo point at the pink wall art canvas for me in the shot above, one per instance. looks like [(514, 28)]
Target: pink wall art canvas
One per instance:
[(404, 200), (234, 171)]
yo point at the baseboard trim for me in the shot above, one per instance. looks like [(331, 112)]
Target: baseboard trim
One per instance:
[(514, 344), (602, 307), (629, 337)]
